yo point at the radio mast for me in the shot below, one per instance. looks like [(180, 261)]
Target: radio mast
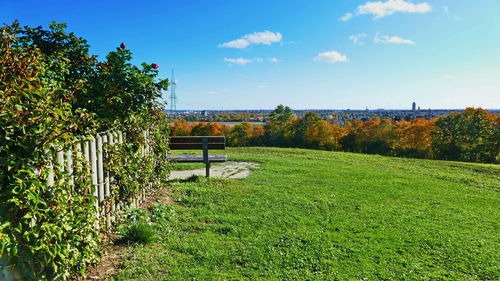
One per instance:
[(173, 97)]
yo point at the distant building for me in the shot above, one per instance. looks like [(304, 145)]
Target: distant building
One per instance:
[(414, 106)]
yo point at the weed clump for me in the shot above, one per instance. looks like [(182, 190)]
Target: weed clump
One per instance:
[(139, 232), (136, 228), (160, 213)]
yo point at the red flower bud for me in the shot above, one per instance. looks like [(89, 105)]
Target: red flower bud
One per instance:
[(155, 66), (123, 46)]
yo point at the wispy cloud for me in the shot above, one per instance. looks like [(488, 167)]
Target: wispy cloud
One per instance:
[(356, 38), (244, 61), (266, 38), (275, 60), (447, 11), (381, 9), (447, 76), (262, 86), (391, 40), (331, 57), (237, 61), (210, 92), (346, 17)]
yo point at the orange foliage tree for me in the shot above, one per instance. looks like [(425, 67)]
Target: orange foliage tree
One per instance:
[(180, 128), (324, 135), (414, 139)]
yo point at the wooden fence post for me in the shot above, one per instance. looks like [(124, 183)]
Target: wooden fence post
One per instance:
[(93, 164), (100, 175), (50, 168), (69, 165), (120, 141), (110, 179), (60, 163)]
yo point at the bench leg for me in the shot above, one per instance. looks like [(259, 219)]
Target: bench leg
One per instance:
[(207, 169)]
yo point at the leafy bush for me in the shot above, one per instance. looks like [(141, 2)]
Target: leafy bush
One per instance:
[(49, 86), (48, 232)]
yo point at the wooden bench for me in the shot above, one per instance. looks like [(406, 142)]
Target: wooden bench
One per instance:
[(198, 142)]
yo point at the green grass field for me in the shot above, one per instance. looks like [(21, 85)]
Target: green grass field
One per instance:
[(317, 215)]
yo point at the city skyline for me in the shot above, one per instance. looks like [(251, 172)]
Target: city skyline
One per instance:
[(326, 54)]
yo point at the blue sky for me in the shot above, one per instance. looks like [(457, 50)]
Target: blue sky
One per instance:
[(254, 54)]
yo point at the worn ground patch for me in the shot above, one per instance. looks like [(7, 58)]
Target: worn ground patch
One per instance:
[(229, 170)]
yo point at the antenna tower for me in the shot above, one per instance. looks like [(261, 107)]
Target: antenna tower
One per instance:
[(173, 96)]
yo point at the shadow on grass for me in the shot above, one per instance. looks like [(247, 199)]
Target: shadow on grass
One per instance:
[(191, 179)]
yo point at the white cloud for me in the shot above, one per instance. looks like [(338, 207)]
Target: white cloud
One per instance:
[(227, 91), (331, 57), (346, 17), (210, 92), (356, 39), (266, 38), (447, 76), (381, 9), (237, 61), (263, 86), (243, 61), (237, 44), (446, 10), (391, 40)]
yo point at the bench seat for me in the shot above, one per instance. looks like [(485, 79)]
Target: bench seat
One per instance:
[(198, 142), (196, 158)]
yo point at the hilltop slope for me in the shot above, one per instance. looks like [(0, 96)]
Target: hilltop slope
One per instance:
[(317, 215)]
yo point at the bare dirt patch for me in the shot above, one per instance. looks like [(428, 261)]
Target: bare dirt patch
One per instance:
[(110, 263)]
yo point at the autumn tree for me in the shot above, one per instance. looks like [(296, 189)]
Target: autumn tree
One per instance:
[(207, 129), (240, 135), (472, 136), (324, 135), (296, 130), (414, 139), (180, 128), (275, 128)]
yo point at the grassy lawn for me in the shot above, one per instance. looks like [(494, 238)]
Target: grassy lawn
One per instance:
[(316, 215)]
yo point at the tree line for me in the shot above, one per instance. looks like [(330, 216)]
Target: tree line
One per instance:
[(472, 135)]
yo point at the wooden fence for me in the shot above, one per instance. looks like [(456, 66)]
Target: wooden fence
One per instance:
[(95, 153)]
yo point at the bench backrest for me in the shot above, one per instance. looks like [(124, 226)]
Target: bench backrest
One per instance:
[(197, 142)]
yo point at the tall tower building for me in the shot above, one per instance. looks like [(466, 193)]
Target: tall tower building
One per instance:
[(414, 106)]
